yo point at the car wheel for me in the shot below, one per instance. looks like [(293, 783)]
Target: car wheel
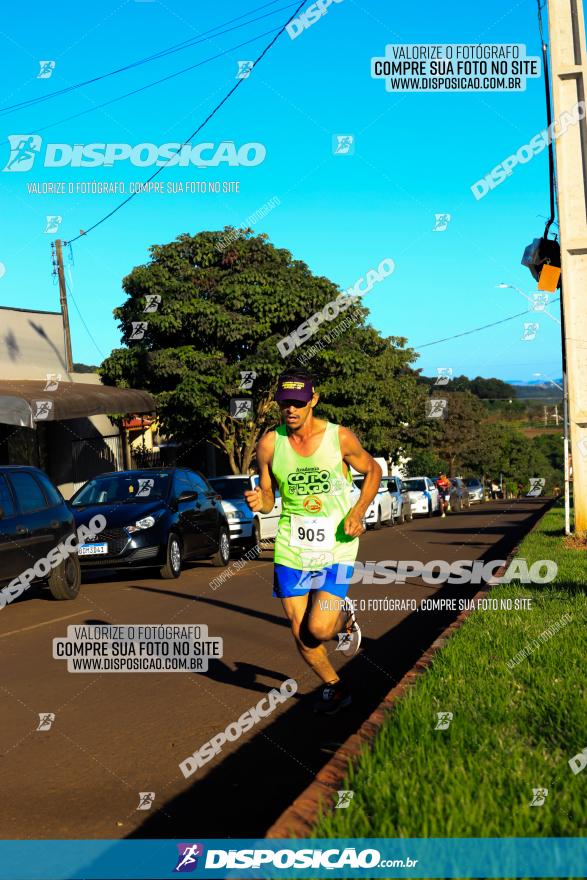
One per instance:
[(429, 512), (377, 524), (408, 516), (222, 555), (173, 558), (401, 518), (65, 580), (255, 538), (390, 522)]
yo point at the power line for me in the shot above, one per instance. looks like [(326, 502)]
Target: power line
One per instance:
[(178, 47), (197, 130), (154, 83), (70, 292), (477, 329)]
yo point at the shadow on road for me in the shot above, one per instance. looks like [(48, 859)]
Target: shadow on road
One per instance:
[(246, 792)]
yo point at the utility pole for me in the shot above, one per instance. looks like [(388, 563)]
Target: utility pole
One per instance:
[(569, 86), (63, 301)]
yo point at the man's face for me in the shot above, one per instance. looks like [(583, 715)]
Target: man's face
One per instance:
[(295, 413)]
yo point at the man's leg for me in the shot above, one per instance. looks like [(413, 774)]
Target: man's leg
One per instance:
[(311, 627)]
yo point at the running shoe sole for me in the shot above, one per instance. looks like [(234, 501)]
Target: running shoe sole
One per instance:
[(351, 626)]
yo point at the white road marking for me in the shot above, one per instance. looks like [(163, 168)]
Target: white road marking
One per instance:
[(44, 623)]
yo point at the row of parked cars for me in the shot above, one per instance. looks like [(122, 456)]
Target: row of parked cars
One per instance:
[(157, 518), (154, 518), (397, 501)]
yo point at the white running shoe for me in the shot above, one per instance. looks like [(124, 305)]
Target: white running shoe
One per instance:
[(349, 641)]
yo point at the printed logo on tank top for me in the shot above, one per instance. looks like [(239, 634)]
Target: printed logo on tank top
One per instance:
[(309, 481), (312, 504)]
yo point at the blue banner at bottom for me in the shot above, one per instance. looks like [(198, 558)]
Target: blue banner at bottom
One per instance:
[(334, 858)]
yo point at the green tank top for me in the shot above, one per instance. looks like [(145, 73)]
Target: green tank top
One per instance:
[(315, 497)]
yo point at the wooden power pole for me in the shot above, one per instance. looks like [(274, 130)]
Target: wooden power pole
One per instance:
[(569, 87), (63, 301)]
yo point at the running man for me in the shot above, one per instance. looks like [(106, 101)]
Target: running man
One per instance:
[(444, 485), (309, 460)]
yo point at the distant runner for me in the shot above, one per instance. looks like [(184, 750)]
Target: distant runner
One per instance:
[(308, 460), (444, 485)]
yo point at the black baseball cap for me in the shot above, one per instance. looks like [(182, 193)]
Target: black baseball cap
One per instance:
[(292, 388)]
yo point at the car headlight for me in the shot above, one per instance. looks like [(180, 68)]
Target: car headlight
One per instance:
[(236, 514), (146, 523)]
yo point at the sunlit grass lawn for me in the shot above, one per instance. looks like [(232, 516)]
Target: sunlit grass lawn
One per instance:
[(513, 729)]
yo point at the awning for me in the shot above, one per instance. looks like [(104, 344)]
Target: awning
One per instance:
[(25, 403)]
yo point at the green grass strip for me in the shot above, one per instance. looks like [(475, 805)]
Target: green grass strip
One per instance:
[(514, 728)]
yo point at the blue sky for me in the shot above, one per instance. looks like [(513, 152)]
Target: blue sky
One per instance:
[(416, 155)]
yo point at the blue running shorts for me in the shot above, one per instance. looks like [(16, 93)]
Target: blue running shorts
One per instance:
[(290, 582)]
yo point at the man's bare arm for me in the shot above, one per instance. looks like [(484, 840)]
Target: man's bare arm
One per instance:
[(355, 456), (262, 499)]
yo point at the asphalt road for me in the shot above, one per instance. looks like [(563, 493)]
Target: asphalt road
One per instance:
[(115, 735)]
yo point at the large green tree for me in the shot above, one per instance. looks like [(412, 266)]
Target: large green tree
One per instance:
[(222, 311)]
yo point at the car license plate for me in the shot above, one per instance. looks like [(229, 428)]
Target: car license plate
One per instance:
[(92, 549)]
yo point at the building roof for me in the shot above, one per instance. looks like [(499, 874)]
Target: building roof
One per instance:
[(25, 402)]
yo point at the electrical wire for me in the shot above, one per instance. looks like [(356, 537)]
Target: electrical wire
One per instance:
[(154, 83), (178, 47), (72, 297), (477, 329), (197, 130)]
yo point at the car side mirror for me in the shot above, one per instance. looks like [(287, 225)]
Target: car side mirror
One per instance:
[(187, 495)]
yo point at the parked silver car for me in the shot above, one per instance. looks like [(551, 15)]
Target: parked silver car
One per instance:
[(246, 527), (401, 503), (475, 489)]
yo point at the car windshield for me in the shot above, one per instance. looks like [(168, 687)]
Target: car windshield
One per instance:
[(230, 488), (123, 488), (414, 485), (472, 482)]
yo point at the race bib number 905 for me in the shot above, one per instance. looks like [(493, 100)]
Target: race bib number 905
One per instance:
[(312, 532)]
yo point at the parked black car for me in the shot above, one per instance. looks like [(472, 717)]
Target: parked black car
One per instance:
[(34, 518), (154, 517)]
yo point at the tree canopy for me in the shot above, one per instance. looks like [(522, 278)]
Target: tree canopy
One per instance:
[(222, 311)]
